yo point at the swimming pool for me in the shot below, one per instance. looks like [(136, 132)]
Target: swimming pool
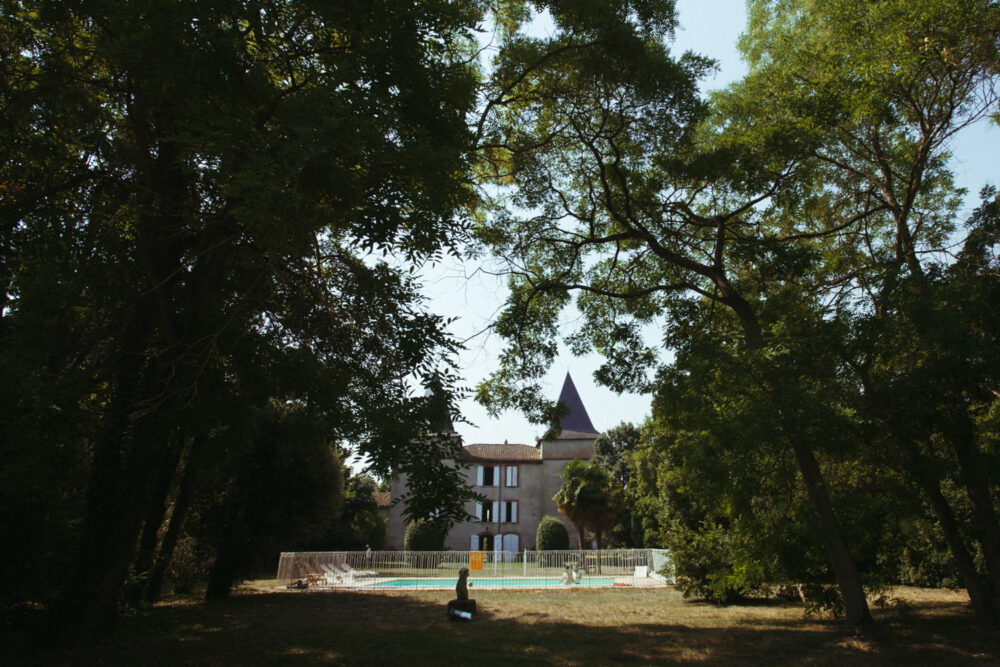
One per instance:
[(500, 582)]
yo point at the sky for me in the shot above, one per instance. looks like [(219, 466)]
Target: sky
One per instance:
[(471, 293)]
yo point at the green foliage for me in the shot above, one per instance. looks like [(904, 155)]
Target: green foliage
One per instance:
[(708, 565), (359, 525), (284, 488), (192, 207), (190, 563), (425, 535), (787, 239), (612, 448), (551, 535), (611, 452), (589, 499)]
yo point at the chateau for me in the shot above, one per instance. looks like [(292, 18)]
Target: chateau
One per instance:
[(519, 480)]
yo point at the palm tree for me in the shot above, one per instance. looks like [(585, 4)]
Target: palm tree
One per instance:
[(588, 499)]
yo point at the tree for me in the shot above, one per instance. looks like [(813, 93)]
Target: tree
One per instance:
[(612, 448), (763, 210), (283, 489), (721, 489), (611, 452), (551, 535), (359, 524), (881, 111), (425, 535), (207, 184), (588, 499), (642, 216), (926, 368)]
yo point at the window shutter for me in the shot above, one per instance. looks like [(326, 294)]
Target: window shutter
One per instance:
[(498, 542), (496, 475), (479, 475), (513, 512), (479, 511), (475, 543), (513, 476), (496, 511)]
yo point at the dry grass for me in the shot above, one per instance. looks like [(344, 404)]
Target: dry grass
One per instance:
[(638, 626)]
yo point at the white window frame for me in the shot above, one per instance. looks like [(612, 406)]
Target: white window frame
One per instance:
[(511, 475), (481, 476), (508, 511), (481, 515)]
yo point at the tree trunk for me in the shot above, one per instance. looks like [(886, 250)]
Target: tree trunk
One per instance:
[(579, 535), (979, 597), (153, 522), (181, 505), (845, 568), (984, 516), (221, 577), (114, 507), (842, 561)]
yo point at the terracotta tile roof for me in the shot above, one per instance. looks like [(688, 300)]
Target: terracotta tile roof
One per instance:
[(382, 499), (504, 452)]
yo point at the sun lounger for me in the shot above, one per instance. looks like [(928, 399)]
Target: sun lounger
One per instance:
[(348, 570), (333, 576)]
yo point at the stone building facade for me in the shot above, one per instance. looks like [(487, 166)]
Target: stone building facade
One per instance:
[(518, 480)]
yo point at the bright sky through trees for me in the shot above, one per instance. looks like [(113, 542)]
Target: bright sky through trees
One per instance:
[(472, 293)]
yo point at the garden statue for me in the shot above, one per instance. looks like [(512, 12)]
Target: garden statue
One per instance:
[(462, 608)]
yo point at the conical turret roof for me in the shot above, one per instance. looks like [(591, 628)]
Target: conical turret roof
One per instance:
[(577, 421)]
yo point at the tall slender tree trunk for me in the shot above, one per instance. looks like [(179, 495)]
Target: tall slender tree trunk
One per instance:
[(979, 596), (181, 505), (963, 443), (842, 561), (113, 512), (153, 522), (977, 486), (845, 568)]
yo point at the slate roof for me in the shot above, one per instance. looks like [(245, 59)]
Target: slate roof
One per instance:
[(576, 424), (504, 452)]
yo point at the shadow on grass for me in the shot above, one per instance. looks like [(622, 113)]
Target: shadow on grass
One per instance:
[(367, 629)]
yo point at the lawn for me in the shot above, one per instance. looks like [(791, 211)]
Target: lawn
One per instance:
[(638, 626)]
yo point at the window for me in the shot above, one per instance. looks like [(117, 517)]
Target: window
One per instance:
[(511, 475), (508, 511), (485, 511), (488, 475), (483, 542)]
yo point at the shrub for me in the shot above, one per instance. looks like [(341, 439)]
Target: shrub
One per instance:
[(709, 565), (189, 563), (551, 535), (424, 535)]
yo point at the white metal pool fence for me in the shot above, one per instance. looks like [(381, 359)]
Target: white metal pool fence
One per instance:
[(395, 570)]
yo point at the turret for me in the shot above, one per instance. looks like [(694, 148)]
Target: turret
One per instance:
[(577, 435)]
